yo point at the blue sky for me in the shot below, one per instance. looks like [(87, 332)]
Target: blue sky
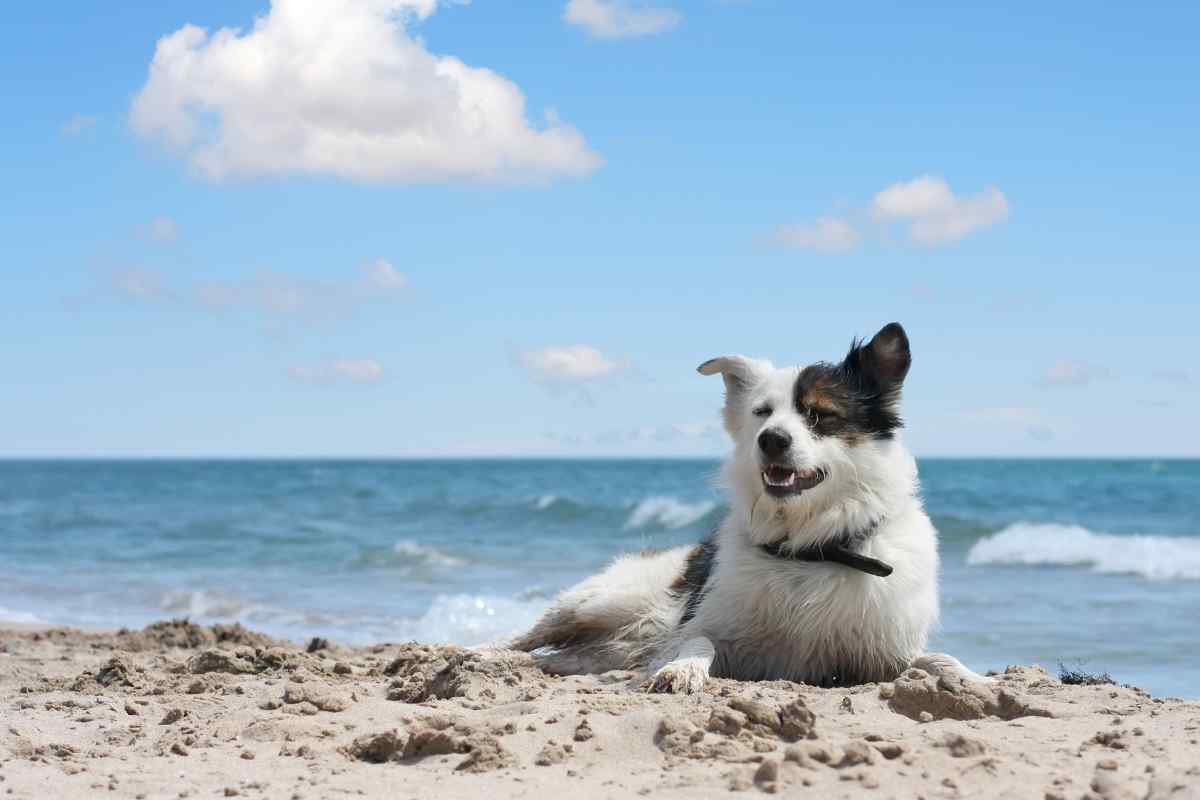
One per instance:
[(405, 227)]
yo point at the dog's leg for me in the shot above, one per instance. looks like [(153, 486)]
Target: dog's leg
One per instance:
[(688, 671), (939, 664)]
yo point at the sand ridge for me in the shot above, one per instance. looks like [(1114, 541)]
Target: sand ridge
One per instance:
[(182, 710)]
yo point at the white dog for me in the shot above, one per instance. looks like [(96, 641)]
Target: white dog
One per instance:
[(825, 570)]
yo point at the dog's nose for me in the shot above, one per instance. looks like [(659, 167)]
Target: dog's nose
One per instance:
[(774, 442)]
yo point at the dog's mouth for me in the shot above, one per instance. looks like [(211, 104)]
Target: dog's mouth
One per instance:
[(785, 481)]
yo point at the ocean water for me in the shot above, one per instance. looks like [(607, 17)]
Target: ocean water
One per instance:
[(1093, 563)]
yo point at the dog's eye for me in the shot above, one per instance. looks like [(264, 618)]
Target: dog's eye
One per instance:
[(822, 418), (825, 420), (762, 411)]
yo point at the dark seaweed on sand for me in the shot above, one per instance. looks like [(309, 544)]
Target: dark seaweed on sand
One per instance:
[(1077, 677)]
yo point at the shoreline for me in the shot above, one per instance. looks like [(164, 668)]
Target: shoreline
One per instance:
[(182, 710)]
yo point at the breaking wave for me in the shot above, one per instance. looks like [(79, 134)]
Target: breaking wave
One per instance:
[(204, 605), (657, 511), (1160, 558), (668, 512), (424, 554)]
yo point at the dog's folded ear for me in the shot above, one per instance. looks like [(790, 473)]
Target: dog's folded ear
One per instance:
[(740, 373)]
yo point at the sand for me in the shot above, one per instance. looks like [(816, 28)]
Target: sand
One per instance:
[(179, 710)]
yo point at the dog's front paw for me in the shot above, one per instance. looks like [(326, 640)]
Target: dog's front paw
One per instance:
[(944, 665), (685, 676)]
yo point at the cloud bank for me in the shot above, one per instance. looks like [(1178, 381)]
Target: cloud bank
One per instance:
[(342, 88)]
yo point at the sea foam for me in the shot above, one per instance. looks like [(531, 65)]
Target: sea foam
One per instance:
[(462, 619), (204, 604), (668, 512), (1162, 558), (424, 554), (467, 619)]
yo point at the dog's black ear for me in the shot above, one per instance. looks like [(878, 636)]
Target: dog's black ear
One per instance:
[(882, 362)]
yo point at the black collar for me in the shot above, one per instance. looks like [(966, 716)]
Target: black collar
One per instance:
[(841, 550)]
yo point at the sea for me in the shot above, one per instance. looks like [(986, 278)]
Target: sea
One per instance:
[(1088, 564)]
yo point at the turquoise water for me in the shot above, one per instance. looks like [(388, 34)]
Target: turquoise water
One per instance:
[(1043, 561)]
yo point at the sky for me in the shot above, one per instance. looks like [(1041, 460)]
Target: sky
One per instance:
[(390, 228)]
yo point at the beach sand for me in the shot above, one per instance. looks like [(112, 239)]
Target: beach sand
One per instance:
[(179, 710)]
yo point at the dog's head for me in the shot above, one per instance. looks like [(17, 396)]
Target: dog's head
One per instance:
[(806, 437)]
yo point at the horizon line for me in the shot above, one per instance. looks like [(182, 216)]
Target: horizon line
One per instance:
[(561, 457)]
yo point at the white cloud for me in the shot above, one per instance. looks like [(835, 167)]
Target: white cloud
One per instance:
[(281, 296), (280, 299), (274, 294), (825, 235), (328, 373), (620, 19), (936, 214), (1066, 372), (572, 364), (382, 275), (160, 229), (138, 283), (79, 124), (342, 88)]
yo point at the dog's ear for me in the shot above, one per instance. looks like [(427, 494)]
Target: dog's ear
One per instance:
[(740, 374), (882, 362)]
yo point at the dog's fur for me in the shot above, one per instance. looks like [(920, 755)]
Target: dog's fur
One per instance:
[(816, 461)]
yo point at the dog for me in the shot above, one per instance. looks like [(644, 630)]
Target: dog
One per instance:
[(825, 570)]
